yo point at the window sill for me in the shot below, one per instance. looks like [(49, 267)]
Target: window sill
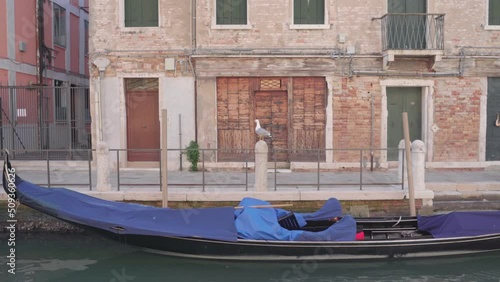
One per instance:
[(60, 46), (231, 26), (310, 26), (492, 27), (137, 29)]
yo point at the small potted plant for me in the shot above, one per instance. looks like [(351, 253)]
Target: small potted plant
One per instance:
[(193, 155)]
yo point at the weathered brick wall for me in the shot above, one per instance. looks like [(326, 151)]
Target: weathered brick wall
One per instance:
[(151, 44), (457, 113), (270, 21), (456, 100), (352, 117), (464, 23), (270, 26)]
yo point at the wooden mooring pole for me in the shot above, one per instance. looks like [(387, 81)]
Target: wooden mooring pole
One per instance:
[(411, 191)]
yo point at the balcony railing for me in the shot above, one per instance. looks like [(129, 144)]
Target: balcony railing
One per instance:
[(413, 32)]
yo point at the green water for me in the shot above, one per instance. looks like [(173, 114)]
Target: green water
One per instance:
[(91, 258)]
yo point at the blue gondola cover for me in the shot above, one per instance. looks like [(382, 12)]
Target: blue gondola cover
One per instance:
[(126, 218), (458, 224)]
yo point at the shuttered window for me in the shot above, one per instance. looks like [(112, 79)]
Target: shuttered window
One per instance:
[(494, 12), (231, 12), (309, 11), (140, 13)]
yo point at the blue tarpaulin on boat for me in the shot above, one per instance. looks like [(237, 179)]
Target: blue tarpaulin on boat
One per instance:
[(330, 209), (457, 224), (262, 224), (127, 218)]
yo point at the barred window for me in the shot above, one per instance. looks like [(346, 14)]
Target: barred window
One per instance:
[(60, 101)]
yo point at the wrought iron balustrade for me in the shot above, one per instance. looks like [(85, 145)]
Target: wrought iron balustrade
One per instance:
[(412, 31)]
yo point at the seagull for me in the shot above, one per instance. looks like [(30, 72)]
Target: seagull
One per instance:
[(261, 131)]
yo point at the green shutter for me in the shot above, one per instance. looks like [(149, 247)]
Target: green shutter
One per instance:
[(242, 13), (309, 12), (219, 8), (150, 12), (296, 12), (132, 13), (231, 12), (494, 12), (140, 13), (319, 11), (396, 6)]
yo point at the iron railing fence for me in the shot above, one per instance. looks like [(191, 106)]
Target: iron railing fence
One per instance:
[(40, 120), (412, 31), (210, 175)]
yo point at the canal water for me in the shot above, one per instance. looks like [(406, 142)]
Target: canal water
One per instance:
[(87, 257)]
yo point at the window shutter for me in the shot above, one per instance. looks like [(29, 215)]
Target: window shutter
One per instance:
[(494, 12), (317, 8), (150, 12), (220, 11), (309, 12), (231, 12), (396, 6), (132, 13), (239, 11), (301, 9)]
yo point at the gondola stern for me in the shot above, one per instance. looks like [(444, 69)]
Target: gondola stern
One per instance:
[(9, 177)]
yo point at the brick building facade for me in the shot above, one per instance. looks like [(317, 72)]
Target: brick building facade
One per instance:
[(319, 74)]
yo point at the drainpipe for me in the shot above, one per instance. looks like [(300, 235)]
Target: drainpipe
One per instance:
[(39, 54), (193, 42), (421, 74)]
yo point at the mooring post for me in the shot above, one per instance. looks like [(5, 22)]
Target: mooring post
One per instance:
[(103, 181), (401, 166), (261, 151), (418, 160)]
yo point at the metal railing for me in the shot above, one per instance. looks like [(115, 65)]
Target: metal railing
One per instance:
[(412, 31), (316, 176), (43, 120), (55, 176)]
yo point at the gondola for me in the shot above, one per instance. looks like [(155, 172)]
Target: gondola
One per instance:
[(258, 231)]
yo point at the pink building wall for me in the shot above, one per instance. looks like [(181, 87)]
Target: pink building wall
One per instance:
[(25, 31), (3, 29), (59, 57), (74, 43), (3, 77)]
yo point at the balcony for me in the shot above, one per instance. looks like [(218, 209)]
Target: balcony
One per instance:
[(412, 35)]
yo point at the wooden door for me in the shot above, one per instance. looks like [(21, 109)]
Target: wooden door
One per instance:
[(493, 120), (399, 100), (143, 125), (271, 109), (406, 32)]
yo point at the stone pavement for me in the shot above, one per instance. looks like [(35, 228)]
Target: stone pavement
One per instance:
[(451, 187)]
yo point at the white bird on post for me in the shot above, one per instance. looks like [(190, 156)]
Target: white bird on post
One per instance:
[(261, 131)]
